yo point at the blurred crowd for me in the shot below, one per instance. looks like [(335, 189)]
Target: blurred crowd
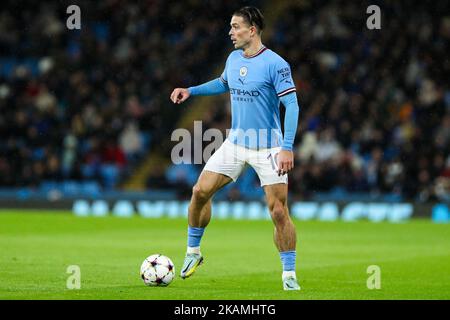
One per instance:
[(91, 103), (375, 104)]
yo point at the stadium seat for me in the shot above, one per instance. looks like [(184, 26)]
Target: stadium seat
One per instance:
[(255, 210), (123, 208), (221, 209), (101, 31), (354, 211), (440, 213), (100, 208), (81, 208), (400, 212), (146, 139), (304, 210), (378, 211), (329, 211), (88, 171), (7, 66), (149, 209), (47, 186), (110, 174), (238, 210), (90, 188), (187, 173), (184, 209), (173, 209), (70, 188)]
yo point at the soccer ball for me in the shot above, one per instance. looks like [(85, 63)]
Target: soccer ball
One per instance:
[(157, 270)]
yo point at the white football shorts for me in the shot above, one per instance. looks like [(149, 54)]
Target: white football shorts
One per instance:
[(230, 159)]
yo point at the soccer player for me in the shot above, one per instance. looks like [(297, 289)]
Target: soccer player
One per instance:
[(257, 80)]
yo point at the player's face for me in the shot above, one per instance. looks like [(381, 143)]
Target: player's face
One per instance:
[(240, 33)]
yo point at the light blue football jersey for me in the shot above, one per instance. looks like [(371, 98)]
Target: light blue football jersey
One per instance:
[(255, 84)]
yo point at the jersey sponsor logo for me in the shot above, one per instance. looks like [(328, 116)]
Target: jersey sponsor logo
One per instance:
[(242, 92)]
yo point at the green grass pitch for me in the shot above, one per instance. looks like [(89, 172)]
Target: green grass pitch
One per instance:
[(241, 261)]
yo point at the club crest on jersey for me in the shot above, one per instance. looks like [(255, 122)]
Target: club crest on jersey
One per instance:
[(243, 71)]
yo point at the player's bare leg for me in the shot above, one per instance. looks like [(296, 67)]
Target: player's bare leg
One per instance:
[(200, 207), (284, 232), (205, 214), (199, 216), (284, 236)]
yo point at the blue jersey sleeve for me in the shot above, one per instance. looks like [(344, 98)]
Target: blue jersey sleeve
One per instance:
[(209, 88), (282, 78), (290, 120)]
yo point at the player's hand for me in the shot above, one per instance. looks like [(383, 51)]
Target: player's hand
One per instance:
[(285, 162), (179, 95)]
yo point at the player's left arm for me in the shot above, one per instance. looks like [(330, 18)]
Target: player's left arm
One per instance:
[(286, 91), (286, 155)]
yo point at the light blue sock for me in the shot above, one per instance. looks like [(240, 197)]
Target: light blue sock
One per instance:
[(195, 236), (288, 260)]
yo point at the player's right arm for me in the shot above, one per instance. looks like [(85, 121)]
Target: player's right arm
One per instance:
[(213, 87)]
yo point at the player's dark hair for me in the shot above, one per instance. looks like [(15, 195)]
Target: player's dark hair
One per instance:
[(252, 16)]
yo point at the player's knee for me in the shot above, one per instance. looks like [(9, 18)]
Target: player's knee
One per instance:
[(279, 213), (200, 194)]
